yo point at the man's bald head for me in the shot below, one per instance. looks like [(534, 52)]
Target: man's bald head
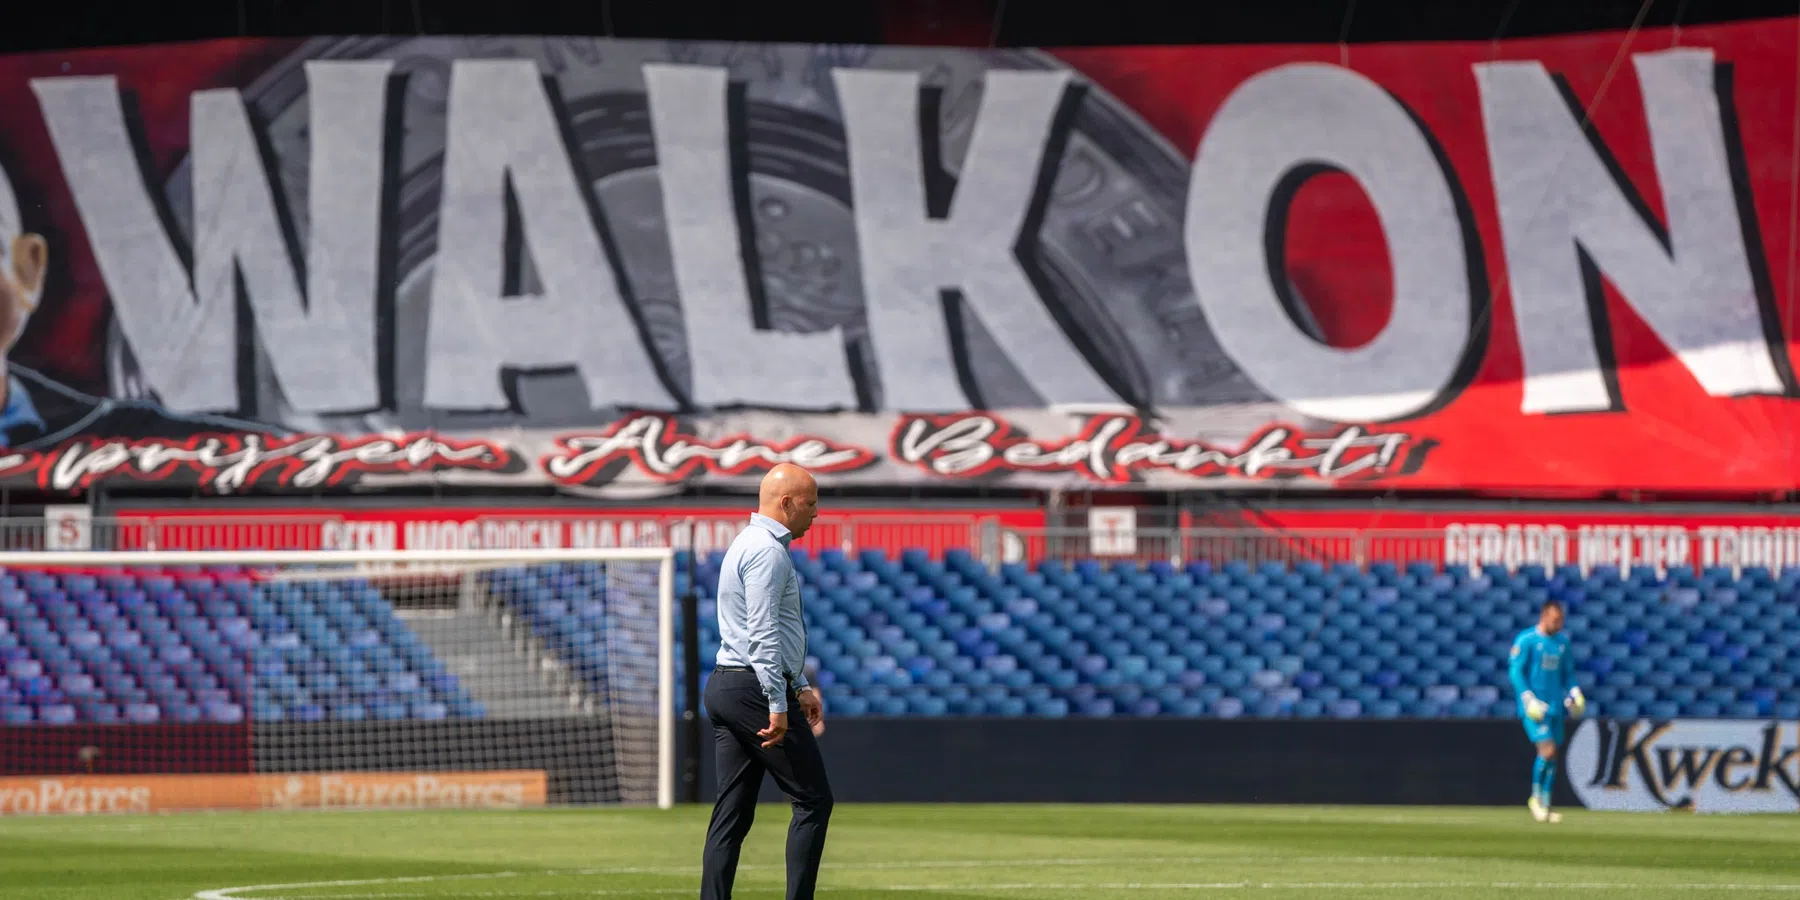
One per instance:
[(785, 478), (789, 495)]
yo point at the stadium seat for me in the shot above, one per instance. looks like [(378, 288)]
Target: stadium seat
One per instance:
[(910, 634)]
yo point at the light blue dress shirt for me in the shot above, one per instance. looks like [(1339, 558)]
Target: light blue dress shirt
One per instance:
[(762, 624)]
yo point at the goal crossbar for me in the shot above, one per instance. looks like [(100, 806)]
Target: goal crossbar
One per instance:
[(664, 557)]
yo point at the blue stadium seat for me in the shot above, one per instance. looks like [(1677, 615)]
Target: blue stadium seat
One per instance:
[(906, 634), (56, 714)]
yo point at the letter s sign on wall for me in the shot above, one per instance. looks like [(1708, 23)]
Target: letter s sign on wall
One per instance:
[(69, 526)]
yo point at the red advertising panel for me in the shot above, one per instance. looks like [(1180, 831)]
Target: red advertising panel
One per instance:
[(1559, 265), (1621, 537), (517, 528), (125, 750)]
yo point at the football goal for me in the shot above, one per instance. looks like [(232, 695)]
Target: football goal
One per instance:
[(150, 680)]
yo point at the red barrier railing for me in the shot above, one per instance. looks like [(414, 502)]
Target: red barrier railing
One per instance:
[(994, 537)]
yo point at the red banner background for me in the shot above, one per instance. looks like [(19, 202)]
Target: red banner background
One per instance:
[(1667, 435), (1671, 434)]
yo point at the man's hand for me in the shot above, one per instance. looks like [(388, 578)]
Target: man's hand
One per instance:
[(1575, 703), (777, 730), (813, 706), (1535, 708)]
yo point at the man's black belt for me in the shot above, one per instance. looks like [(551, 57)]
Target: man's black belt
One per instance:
[(791, 686)]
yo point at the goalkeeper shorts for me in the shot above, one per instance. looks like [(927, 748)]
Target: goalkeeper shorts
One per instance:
[(1551, 729)]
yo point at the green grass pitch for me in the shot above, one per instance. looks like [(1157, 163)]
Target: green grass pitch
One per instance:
[(1017, 852)]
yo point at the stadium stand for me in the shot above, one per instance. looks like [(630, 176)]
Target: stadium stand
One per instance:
[(920, 636), (185, 645), (570, 607)]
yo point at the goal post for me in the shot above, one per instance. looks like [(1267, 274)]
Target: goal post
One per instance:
[(348, 678)]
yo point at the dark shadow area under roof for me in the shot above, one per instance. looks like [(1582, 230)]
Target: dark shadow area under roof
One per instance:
[(95, 23)]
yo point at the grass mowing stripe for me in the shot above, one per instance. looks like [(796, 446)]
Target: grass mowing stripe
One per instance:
[(944, 852), (1108, 886), (237, 893)]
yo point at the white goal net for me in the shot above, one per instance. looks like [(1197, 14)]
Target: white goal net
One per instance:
[(342, 679)]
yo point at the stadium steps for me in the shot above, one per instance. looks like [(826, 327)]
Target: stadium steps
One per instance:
[(494, 673)]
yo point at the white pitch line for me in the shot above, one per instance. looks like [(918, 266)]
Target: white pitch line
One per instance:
[(230, 893)]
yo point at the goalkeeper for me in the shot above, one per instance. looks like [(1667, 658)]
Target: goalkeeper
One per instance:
[(1548, 695)]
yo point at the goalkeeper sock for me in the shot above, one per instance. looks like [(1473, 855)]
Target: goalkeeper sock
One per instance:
[(1539, 781), (1547, 780)]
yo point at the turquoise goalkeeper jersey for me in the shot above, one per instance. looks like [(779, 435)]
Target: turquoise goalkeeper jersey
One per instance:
[(1541, 664)]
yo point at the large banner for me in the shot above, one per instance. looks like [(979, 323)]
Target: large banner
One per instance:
[(620, 266), (1695, 765)]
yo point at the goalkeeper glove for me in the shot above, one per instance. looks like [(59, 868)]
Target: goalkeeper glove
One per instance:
[(1535, 708), (1575, 703)]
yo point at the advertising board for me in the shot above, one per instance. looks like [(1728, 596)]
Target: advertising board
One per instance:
[(115, 794), (1696, 765), (438, 527), (1618, 536)]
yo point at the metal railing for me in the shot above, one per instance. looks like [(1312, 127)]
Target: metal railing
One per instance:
[(1400, 548), (987, 536), (705, 530), (1250, 546)]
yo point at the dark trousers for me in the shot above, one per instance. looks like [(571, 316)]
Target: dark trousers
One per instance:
[(738, 709)]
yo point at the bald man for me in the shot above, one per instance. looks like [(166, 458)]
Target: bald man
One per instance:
[(760, 678)]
